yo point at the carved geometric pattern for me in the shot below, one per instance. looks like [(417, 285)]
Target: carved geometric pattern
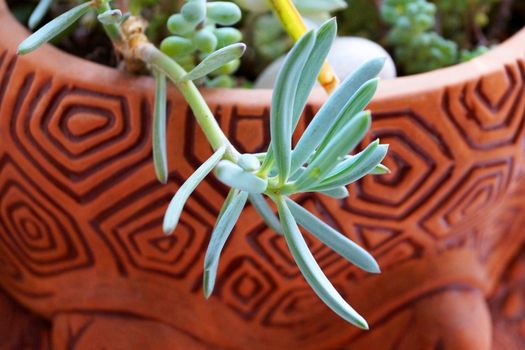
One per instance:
[(295, 307), (35, 229), (488, 117), (420, 164), (78, 197), (477, 190), (135, 233), (375, 237), (272, 247), (245, 286), (249, 132), (74, 136), (402, 251)]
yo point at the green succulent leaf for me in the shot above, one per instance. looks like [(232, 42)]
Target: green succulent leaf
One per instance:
[(176, 205), (357, 103), (216, 60), (325, 36), (194, 11), (353, 169), (343, 142), (311, 270), (110, 17), (53, 28), (229, 215), (160, 159), (380, 170), (336, 192), (283, 103), (224, 13), (333, 239), (249, 162), (236, 177), (323, 121), (266, 212), (38, 13)]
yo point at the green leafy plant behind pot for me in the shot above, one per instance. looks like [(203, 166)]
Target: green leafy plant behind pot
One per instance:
[(419, 47)]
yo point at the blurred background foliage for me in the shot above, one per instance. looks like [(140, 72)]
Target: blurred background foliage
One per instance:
[(421, 35)]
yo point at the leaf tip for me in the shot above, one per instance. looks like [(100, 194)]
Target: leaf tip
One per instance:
[(162, 176), (374, 268), (361, 323), (20, 51), (380, 60), (367, 117), (167, 226), (242, 46), (332, 23), (207, 284)]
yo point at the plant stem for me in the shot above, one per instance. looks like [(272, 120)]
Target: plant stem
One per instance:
[(112, 30), (295, 27), (151, 55)]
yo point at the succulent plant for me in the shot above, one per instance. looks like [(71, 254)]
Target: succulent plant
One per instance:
[(319, 163), (196, 33), (418, 47)]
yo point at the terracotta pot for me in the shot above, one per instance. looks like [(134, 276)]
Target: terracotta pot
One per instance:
[(81, 211)]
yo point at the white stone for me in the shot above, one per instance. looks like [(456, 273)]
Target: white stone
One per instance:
[(346, 54)]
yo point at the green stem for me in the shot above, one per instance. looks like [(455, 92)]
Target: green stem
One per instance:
[(151, 55), (267, 164), (112, 30)]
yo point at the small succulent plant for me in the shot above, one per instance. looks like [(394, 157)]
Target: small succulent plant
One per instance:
[(200, 29), (319, 162), (418, 47)]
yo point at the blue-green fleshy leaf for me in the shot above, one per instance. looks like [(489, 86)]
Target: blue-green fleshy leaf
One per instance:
[(333, 239), (283, 103), (38, 13), (171, 218), (311, 270), (229, 215), (53, 28), (336, 104), (158, 140)]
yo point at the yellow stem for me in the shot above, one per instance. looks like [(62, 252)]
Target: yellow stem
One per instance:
[(295, 27)]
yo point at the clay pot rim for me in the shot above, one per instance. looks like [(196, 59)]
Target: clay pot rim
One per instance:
[(68, 64)]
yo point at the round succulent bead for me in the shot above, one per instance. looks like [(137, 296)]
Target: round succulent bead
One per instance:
[(223, 13), (194, 11), (227, 36), (176, 46), (177, 24), (187, 62), (205, 41), (222, 81), (228, 68)]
